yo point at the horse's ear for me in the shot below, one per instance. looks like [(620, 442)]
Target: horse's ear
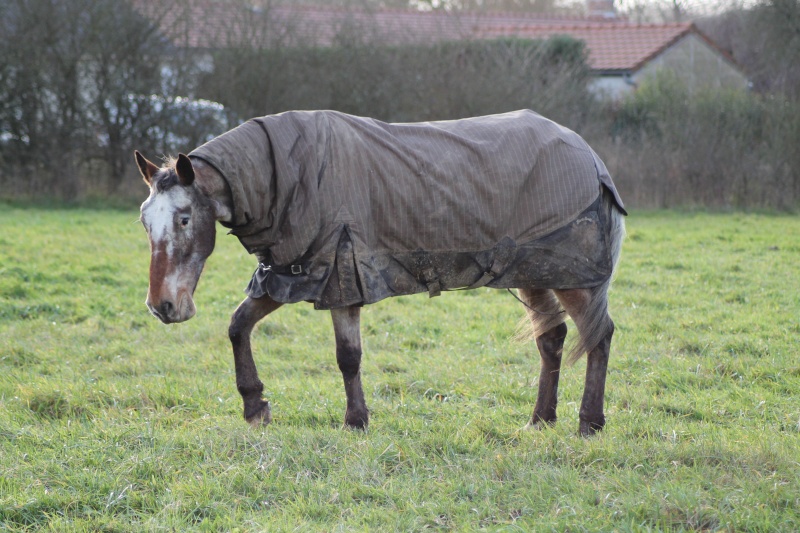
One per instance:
[(147, 168), (184, 169)]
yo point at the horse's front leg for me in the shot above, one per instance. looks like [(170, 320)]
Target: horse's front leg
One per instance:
[(250, 311), (347, 330)]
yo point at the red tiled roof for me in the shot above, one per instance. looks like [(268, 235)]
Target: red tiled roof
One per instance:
[(613, 44), (611, 47)]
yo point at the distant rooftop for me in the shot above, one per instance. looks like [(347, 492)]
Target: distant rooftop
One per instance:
[(612, 47), (613, 44)]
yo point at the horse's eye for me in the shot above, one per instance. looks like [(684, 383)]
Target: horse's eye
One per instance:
[(184, 221)]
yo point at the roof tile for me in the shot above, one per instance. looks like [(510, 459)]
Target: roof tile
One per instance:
[(618, 46)]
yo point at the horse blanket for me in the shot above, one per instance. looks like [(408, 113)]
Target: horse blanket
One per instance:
[(343, 210)]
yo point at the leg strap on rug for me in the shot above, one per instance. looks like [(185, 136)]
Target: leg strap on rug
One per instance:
[(503, 255)]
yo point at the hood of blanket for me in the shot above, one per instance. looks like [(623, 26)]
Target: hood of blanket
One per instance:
[(273, 165)]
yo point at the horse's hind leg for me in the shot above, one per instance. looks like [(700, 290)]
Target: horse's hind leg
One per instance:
[(588, 309), (250, 311), (549, 331), (347, 330)]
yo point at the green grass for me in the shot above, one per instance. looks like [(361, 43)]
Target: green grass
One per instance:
[(111, 421)]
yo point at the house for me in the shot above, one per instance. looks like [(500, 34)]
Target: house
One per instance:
[(620, 54)]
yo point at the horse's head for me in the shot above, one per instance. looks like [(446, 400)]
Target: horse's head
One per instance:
[(180, 222)]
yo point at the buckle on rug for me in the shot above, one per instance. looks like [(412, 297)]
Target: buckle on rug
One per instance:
[(294, 270)]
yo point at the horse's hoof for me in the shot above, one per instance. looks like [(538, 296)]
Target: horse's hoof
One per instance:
[(587, 428), (353, 421), (261, 416)]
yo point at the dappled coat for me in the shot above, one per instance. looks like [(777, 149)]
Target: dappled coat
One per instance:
[(343, 210)]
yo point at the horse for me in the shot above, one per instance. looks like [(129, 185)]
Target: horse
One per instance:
[(344, 211)]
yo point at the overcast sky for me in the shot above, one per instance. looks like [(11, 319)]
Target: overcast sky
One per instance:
[(702, 7)]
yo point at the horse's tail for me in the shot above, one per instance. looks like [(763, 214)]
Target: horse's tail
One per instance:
[(596, 322)]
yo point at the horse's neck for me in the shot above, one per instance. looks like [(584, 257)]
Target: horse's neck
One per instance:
[(214, 186)]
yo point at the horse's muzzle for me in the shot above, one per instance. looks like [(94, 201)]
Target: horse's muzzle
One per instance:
[(169, 313)]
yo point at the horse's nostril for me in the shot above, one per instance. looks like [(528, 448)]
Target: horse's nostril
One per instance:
[(166, 308)]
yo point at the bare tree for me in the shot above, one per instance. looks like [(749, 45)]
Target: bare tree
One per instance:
[(765, 41), (778, 23), (43, 116), (82, 82), (667, 11), (531, 6)]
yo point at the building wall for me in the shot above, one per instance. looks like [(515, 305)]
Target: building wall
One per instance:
[(691, 58), (700, 65), (609, 87)]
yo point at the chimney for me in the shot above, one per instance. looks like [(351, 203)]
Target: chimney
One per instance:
[(601, 8)]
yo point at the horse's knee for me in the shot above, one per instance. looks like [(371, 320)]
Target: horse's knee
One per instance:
[(238, 327), (346, 328), (348, 357)]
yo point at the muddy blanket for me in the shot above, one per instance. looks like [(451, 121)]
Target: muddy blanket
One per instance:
[(343, 210)]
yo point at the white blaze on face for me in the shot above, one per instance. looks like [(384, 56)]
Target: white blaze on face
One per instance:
[(158, 215)]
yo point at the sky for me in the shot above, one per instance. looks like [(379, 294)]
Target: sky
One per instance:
[(701, 7), (693, 7)]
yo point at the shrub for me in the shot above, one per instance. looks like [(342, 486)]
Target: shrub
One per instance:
[(711, 147)]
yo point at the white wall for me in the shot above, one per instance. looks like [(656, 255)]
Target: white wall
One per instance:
[(699, 64), (692, 58)]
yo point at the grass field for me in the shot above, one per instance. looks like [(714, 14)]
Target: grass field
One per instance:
[(111, 421)]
